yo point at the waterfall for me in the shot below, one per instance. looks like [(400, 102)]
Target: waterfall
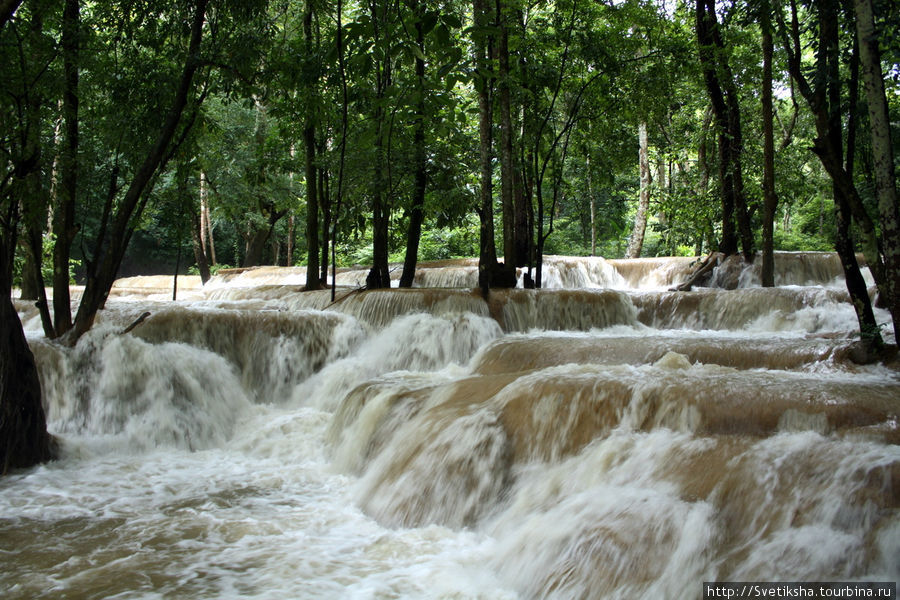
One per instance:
[(601, 438)]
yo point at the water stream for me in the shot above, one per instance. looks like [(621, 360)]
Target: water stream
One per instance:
[(602, 438)]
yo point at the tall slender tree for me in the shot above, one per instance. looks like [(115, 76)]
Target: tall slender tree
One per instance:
[(882, 155), (720, 86), (309, 142), (823, 97), (417, 209)]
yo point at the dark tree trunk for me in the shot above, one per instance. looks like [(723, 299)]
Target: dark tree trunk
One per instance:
[(522, 201), (30, 269), (64, 216), (487, 252), (103, 268), (339, 42), (720, 87), (417, 211), (379, 275), (199, 254), (24, 440), (312, 196), (258, 238), (883, 157), (856, 285), (506, 146), (523, 194), (824, 145), (824, 102), (859, 295), (312, 210)]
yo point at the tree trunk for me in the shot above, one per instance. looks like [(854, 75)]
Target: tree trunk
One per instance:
[(487, 252), (339, 42), (720, 87), (24, 440), (289, 242), (312, 196), (856, 285), (882, 155), (109, 252), (417, 212), (64, 215), (325, 196), (206, 229), (829, 53), (825, 146), (379, 275), (640, 218), (587, 162), (28, 290), (824, 102), (196, 242), (312, 209), (770, 200), (506, 146)]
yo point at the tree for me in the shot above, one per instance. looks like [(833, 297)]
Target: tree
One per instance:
[(723, 95), (309, 143), (823, 98), (640, 217), (482, 42), (109, 251), (883, 157), (507, 171), (24, 440), (417, 211)]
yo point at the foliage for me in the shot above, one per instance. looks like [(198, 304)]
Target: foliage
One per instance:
[(583, 76)]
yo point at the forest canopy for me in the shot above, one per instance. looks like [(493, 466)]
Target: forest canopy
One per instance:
[(155, 136)]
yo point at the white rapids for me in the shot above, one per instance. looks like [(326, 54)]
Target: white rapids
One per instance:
[(602, 439)]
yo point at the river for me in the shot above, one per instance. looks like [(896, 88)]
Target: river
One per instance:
[(601, 438)]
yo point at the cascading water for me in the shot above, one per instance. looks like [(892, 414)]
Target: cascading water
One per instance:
[(611, 441)]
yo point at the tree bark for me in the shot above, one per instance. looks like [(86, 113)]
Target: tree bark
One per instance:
[(587, 163), (325, 197), (64, 215), (312, 196), (379, 275), (723, 95), (640, 218), (206, 229), (487, 253), (339, 42), (824, 102), (417, 212), (196, 243), (506, 145), (882, 155), (24, 440)]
